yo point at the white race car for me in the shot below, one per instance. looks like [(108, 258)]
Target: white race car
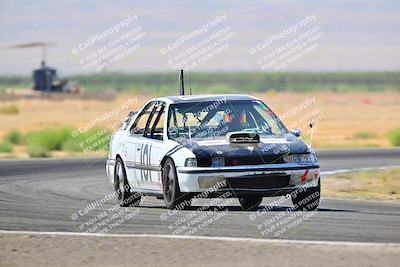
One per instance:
[(179, 146)]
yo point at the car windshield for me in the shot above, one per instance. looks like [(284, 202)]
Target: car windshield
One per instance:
[(217, 118)]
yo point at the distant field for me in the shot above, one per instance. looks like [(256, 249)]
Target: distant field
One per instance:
[(219, 82), (356, 119)]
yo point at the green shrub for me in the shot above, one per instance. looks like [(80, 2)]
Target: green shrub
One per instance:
[(14, 137), (94, 139), (56, 139), (97, 139), (38, 152), (12, 109), (363, 135), (394, 137), (6, 147), (50, 138), (71, 145)]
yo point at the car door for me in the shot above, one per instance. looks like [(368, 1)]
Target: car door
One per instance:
[(150, 152), (134, 147), (147, 136)]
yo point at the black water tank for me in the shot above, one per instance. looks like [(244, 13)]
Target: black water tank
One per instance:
[(43, 79)]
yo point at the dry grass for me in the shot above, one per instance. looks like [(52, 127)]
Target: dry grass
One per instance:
[(38, 114), (373, 185), (344, 115), (9, 110)]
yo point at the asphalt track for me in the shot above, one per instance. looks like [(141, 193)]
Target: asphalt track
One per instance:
[(53, 195)]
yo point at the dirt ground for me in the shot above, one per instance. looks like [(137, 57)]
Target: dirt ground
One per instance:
[(340, 119)]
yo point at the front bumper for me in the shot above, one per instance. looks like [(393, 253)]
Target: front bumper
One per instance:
[(110, 165), (267, 180)]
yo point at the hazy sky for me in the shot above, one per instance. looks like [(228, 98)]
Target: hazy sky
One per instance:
[(353, 35)]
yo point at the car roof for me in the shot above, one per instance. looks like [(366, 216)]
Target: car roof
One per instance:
[(204, 98)]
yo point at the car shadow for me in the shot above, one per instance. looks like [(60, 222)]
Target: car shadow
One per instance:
[(262, 208), (239, 208)]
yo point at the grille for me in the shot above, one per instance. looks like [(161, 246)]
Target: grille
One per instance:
[(204, 162), (258, 182)]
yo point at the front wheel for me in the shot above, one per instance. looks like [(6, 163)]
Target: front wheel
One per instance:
[(173, 197), (125, 198), (309, 199)]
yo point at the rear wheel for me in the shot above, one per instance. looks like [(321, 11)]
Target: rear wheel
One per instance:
[(125, 198), (173, 197), (250, 202), (309, 199)]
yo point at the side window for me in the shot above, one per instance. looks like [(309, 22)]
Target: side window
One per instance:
[(139, 125), (156, 125)]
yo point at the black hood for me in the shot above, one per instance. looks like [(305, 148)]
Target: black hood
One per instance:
[(276, 145)]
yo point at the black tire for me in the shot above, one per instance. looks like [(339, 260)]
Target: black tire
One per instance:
[(309, 199), (250, 202), (125, 198), (173, 197)]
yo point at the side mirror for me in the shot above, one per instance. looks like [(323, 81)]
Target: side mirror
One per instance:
[(132, 113), (128, 119), (296, 132), (125, 125)]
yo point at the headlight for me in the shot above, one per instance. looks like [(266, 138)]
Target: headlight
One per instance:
[(218, 162), (300, 158), (191, 162)]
